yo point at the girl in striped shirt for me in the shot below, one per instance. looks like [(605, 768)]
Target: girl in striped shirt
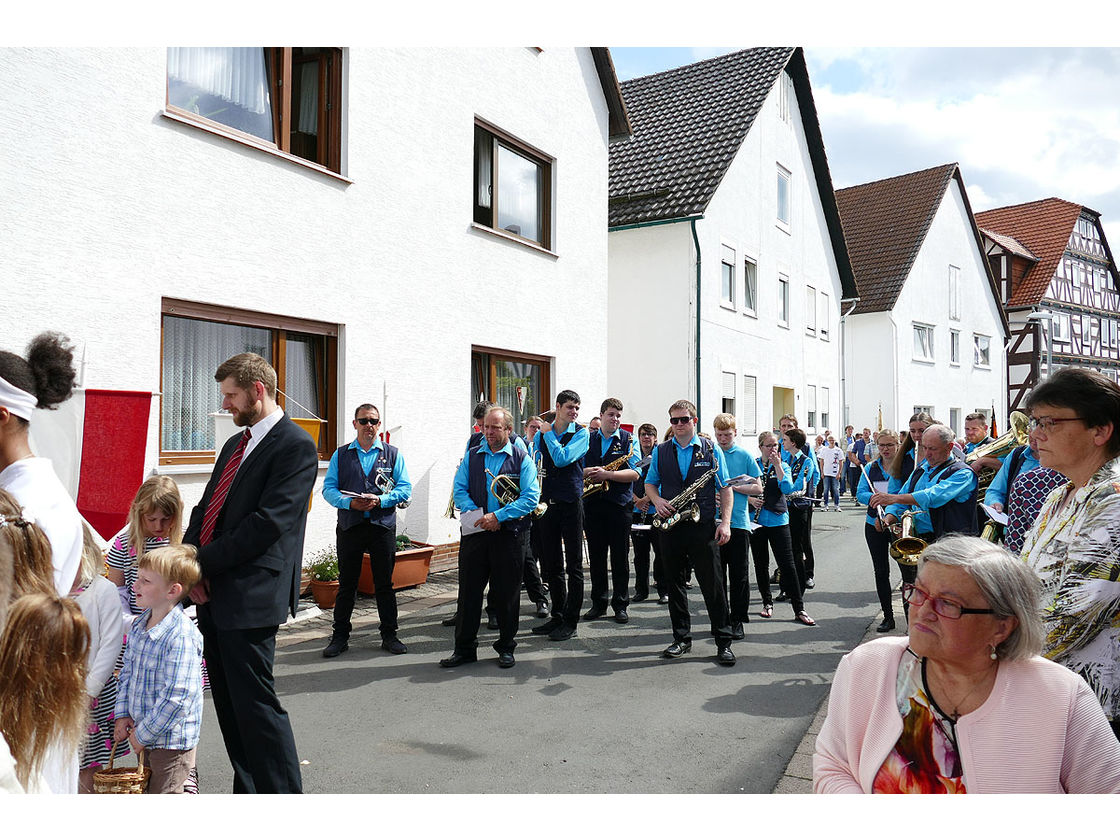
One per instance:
[(155, 519)]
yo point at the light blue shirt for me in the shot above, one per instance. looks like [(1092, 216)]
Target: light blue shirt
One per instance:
[(564, 454), (402, 487), (767, 518), (998, 489), (865, 491), (739, 462), (493, 461), (929, 493), (684, 461)]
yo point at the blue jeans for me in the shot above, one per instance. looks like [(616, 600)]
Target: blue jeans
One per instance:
[(832, 485)]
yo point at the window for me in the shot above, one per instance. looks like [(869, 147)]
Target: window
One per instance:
[(783, 197), (197, 338), (729, 393), (810, 312), (785, 96), (954, 347), (955, 420), (783, 300), (1061, 334), (981, 350), (727, 288), (923, 409), (811, 406), (512, 186), (284, 98), (825, 315), (750, 287), (518, 383), (954, 293), (750, 405), (824, 407), (923, 342)]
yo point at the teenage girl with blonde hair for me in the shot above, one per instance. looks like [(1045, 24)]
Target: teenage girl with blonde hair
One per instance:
[(155, 519)]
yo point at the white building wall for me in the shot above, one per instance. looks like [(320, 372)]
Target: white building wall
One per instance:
[(925, 299), (872, 379), (109, 207)]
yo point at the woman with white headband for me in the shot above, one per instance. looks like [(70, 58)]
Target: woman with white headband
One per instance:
[(43, 380)]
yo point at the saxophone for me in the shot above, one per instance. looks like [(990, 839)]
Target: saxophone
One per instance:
[(685, 497), (590, 488)]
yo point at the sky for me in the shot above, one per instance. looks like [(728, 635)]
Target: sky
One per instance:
[(1023, 123)]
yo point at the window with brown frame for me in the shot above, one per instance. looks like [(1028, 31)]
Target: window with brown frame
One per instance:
[(512, 186), (197, 338), (518, 383), (285, 98)]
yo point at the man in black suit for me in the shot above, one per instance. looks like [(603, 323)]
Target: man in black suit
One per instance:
[(249, 529)]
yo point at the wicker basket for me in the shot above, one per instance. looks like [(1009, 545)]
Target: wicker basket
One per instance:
[(122, 779)]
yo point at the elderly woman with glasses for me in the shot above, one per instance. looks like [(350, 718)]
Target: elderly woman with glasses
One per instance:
[(965, 704), (1074, 544)]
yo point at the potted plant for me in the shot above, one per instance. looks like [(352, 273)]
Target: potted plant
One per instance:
[(323, 570), (410, 568)]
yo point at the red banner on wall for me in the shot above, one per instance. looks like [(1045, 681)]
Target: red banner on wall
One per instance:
[(114, 436)]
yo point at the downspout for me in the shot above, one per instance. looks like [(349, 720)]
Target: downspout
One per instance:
[(844, 359), (696, 242)]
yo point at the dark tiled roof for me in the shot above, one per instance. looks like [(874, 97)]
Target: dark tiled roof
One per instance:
[(1010, 244), (1042, 226), (885, 223), (687, 126)]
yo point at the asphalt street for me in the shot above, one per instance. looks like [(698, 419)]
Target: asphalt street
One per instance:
[(599, 713)]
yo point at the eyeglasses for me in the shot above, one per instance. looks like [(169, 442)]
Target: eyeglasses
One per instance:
[(367, 421), (680, 421), (915, 597), (1047, 423)]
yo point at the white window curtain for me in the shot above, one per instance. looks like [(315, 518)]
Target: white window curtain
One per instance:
[(197, 76), (303, 361), (309, 98)]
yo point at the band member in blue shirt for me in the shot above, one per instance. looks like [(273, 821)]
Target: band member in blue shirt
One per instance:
[(733, 555), (875, 531), (800, 507), (495, 553), (563, 448), (646, 539), (366, 480), (607, 514), (677, 465)]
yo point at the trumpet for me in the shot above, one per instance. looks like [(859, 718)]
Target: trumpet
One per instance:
[(384, 483), (907, 548), (678, 502), (590, 488), (506, 488)]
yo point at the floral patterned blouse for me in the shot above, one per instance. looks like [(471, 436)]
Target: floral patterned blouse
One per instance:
[(1076, 552)]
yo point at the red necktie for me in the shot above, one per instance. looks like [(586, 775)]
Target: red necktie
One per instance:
[(219, 497)]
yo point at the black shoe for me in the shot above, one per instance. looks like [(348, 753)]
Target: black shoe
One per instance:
[(621, 616), (542, 609), (393, 645), (594, 613), (688, 584), (782, 597), (725, 656), (456, 659), (810, 584), (492, 622), (663, 599), (335, 647), (640, 596), (885, 627), (505, 659), (737, 631), (547, 627), (562, 633), (774, 578), (676, 650), (451, 622)]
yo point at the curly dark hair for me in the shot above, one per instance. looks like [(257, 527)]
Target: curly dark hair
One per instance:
[(48, 371)]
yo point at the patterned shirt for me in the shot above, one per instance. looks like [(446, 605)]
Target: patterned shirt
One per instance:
[(1076, 552), (160, 684), (122, 557)]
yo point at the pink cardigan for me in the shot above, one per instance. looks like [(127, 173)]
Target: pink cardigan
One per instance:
[(1041, 730)]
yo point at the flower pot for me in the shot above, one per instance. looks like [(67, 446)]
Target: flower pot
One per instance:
[(409, 569), (324, 592)]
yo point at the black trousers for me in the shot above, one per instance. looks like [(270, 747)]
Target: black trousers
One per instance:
[(531, 576), (735, 576), (607, 527), (562, 558), (878, 544), (255, 728), (801, 538), (645, 541), (381, 545), (793, 583), (494, 557), (691, 545)]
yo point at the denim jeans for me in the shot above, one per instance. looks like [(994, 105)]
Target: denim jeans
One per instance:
[(832, 486)]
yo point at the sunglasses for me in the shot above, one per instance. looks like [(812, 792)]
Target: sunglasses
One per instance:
[(680, 421), (367, 421)]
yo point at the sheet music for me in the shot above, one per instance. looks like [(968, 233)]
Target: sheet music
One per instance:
[(468, 520), (996, 516), (880, 486)]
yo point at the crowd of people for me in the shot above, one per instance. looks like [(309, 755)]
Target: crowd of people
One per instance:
[(99, 657)]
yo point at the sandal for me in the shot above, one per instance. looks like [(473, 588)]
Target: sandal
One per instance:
[(803, 618), (767, 611)]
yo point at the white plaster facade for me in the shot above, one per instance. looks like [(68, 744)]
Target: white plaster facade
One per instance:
[(881, 366), (110, 206), (652, 346)]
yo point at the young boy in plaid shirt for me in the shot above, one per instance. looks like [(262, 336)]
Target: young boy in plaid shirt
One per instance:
[(159, 695)]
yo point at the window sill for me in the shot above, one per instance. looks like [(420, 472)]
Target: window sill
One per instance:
[(981, 367), (751, 313), (783, 227), (954, 364), (728, 305), (930, 362), (261, 146), (784, 325), (201, 469), (509, 237)]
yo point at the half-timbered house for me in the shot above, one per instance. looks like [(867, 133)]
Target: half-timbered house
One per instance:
[(1059, 286)]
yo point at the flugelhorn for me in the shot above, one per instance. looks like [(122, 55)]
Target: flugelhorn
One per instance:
[(506, 488), (907, 548), (1017, 435), (385, 484)]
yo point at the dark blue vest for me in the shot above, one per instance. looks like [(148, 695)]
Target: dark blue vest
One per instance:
[(618, 493), (875, 473), (952, 517), (478, 482), (673, 483), (797, 468), (351, 477), (561, 484), (773, 499)]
